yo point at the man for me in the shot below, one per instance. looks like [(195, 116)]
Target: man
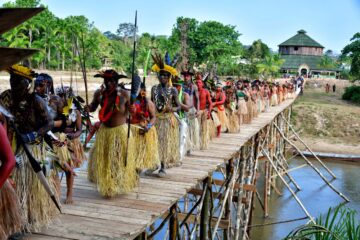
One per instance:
[(109, 167), (186, 105), (205, 107), (191, 89), (230, 107), (144, 132), (164, 96), (32, 121), (218, 101)]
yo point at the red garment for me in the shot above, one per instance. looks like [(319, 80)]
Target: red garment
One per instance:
[(6, 157), (140, 111), (105, 117)]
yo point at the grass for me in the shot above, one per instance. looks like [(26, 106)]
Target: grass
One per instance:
[(326, 115), (338, 224)]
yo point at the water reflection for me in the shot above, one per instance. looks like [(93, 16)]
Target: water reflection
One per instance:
[(315, 195)]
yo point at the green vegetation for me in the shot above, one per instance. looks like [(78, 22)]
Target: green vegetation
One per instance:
[(351, 52), (60, 42), (352, 93), (326, 117), (338, 224)]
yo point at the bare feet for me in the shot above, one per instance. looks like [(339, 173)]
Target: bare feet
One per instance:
[(68, 200)]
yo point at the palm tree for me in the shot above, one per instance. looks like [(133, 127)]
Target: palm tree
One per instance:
[(270, 66)]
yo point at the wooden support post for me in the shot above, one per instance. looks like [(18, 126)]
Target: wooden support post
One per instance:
[(142, 236), (287, 185), (308, 148), (266, 186), (173, 224), (229, 172), (204, 218), (313, 167)]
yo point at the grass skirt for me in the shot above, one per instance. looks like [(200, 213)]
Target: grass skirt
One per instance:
[(274, 100), (255, 109), (108, 161), (147, 152), (37, 208), (10, 220), (223, 119), (77, 152), (184, 139), (167, 127), (233, 121), (212, 125), (63, 153), (194, 131), (204, 129), (250, 111)]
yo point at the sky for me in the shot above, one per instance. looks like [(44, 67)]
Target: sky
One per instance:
[(332, 23)]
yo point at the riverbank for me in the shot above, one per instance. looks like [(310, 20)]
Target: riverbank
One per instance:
[(326, 122)]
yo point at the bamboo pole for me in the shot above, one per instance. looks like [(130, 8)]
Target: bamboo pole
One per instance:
[(289, 176), (266, 186), (318, 159), (204, 218), (289, 170), (287, 185), (313, 167), (240, 194), (173, 224), (230, 186)]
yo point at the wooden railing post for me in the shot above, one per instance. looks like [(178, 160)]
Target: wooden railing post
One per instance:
[(204, 218)]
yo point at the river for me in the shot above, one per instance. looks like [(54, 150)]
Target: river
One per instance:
[(315, 195)]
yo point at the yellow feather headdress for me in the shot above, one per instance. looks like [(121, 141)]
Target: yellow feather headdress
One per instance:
[(160, 65), (22, 71)]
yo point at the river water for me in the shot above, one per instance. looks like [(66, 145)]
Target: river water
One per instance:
[(315, 195)]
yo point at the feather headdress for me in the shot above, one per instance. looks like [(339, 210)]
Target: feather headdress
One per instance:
[(159, 65), (22, 71)]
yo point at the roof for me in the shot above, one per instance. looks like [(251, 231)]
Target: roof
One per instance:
[(11, 17), (301, 39), (10, 56), (294, 62)]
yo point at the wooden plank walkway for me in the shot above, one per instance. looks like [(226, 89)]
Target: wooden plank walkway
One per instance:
[(125, 216)]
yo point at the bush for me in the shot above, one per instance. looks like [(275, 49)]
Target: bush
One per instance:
[(352, 94)]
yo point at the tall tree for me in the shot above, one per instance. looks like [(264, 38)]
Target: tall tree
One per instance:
[(352, 50)]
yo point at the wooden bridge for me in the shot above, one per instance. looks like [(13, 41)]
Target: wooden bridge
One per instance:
[(181, 205)]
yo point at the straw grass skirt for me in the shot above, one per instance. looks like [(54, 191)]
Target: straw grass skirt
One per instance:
[(250, 111), (222, 118), (107, 166), (167, 127), (10, 220), (204, 129), (77, 152), (37, 208), (194, 130), (274, 100), (147, 149), (233, 120)]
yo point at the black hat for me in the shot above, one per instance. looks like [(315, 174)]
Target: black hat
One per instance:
[(112, 74)]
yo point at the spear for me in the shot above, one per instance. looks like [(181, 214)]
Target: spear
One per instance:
[(133, 91), (146, 65), (34, 164)]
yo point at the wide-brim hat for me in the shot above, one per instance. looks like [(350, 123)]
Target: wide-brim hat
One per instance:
[(187, 72), (109, 74)]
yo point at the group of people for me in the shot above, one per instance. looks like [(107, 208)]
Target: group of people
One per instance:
[(137, 133), (327, 88)]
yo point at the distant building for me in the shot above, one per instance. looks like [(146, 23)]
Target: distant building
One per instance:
[(303, 55)]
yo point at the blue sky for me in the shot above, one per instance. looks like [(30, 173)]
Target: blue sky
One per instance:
[(331, 22)]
